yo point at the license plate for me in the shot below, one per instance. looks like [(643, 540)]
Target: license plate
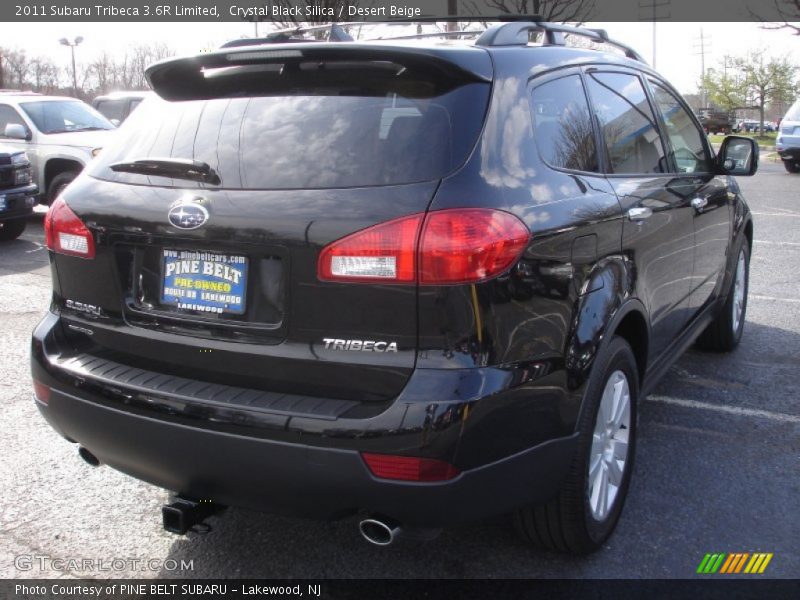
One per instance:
[(205, 282)]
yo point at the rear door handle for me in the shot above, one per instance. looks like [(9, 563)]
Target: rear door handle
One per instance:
[(639, 213), (699, 203)]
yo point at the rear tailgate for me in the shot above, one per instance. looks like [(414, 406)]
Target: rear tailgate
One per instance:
[(307, 152)]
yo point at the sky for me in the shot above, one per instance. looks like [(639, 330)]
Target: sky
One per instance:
[(677, 49)]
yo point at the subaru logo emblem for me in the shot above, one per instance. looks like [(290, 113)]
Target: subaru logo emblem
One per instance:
[(188, 215)]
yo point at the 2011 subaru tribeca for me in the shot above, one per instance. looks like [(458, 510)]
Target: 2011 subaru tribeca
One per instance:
[(421, 282)]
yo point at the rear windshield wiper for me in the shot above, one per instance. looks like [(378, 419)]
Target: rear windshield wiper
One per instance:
[(176, 168)]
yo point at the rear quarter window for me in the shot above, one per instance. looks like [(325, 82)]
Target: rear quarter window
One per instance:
[(563, 125)]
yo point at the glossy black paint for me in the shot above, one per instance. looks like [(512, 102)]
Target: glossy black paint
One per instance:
[(484, 372)]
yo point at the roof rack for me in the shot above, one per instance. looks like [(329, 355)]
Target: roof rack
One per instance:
[(512, 30), (517, 33)]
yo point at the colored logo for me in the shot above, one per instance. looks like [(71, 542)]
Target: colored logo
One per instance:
[(737, 562)]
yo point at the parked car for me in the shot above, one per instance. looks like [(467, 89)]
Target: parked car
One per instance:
[(117, 106), (17, 193), (787, 143), (59, 134), (415, 282), (753, 126)]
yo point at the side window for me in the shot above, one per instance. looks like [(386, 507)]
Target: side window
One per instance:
[(8, 116), (686, 139), (111, 109), (562, 125), (629, 127)]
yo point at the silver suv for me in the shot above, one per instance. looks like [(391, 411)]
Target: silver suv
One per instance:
[(787, 143), (60, 135)]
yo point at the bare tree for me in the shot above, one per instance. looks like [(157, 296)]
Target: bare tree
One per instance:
[(16, 68), (556, 11), (128, 73), (787, 10), (44, 75), (103, 73)]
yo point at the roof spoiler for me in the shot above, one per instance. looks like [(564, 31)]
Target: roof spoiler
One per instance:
[(193, 78)]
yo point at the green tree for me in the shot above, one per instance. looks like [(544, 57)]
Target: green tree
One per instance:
[(751, 81)]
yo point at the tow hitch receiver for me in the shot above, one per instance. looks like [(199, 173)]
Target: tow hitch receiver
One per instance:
[(184, 513)]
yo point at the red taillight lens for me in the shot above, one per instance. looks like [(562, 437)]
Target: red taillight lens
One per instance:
[(469, 245), (41, 391), (383, 253), (455, 246), (409, 468), (65, 233)]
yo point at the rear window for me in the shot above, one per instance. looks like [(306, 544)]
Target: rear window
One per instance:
[(314, 137)]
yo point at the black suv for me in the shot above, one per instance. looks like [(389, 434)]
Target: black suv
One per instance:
[(17, 193), (415, 281)]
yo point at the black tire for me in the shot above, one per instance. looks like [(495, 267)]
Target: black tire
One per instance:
[(720, 335), (792, 166), (566, 523), (11, 230), (58, 184)]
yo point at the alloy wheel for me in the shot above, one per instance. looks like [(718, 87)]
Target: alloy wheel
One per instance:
[(609, 452)]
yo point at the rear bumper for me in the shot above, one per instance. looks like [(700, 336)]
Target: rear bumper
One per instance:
[(305, 466)]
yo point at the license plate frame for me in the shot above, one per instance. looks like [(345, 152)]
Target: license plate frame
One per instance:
[(204, 282)]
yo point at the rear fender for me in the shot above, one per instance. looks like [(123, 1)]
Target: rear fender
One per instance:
[(597, 313)]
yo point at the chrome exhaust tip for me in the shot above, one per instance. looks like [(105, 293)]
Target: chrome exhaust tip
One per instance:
[(378, 531)]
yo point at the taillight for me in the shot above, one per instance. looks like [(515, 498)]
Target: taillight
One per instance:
[(383, 253), (41, 391), (469, 245), (65, 233), (443, 247), (409, 468)]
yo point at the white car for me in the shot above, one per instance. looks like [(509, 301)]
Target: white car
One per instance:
[(60, 134)]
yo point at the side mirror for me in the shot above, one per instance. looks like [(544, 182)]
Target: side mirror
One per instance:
[(15, 131), (737, 156)]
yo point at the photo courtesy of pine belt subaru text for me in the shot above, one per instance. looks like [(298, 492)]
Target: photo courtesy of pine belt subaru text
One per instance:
[(410, 282)]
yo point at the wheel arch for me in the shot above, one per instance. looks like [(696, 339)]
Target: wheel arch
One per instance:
[(608, 310), (55, 166)]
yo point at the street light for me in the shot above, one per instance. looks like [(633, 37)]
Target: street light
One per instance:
[(72, 44)]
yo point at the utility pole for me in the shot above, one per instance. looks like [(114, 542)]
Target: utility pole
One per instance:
[(72, 44), (701, 46), (452, 10), (654, 10)]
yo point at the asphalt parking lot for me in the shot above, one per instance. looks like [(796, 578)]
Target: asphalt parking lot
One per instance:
[(718, 465)]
